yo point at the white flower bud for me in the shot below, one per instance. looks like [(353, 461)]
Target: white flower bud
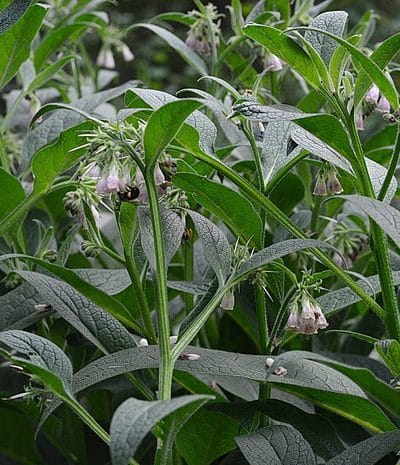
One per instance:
[(383, 105), (127, 54), (143, 342), (269, 362), (173, 339), (42, 307)]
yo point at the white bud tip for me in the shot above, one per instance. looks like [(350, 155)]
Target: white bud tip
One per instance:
[(173, 339), (191, 357), (143, 342), (269, 362), (42, 307)]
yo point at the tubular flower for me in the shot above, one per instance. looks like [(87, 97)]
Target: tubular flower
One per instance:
[(306, 318), (372, 95), (273, 63)]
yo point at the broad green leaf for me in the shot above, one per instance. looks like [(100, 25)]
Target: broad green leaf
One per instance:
[(73, 278), (277, 444), (215, 244), (56, 158), (382, 55), (12, 13), (385, 215), (316, 430), (275, 251), (389, 350), (334, 301), (42, 353), (110, 282), (17, 308), (134, 419), (329, 389), (163, 126), (62, 120), (285, 48), (99, 327), (370, 451), (372, 70), (62, 106), (230, 206), (206, 436), (15, 43), (178, 45), (172, 229), (211, 362), (274, 152), (11, 192), (13, 420), (48, 73), (331, 21), (207, 131)]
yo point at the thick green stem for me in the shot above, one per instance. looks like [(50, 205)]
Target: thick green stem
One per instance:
[(188, 265), (380, 247), (392, 167), (166, 368), (4, 160)]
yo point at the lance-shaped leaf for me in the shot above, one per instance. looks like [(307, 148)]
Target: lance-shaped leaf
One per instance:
[(370, 451), (134, 419), (215, 244), (276, 445), (15, 41), (331, 21), (276, 251), (12, 13), (179, 46), (48, 361), (172, 231), (12, 195), (385, 215), (163, 126), (98, 326), (228, 205)]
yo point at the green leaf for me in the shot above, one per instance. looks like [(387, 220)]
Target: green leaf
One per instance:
[(172, 229), (331, 21), (369, 451), (389, 350), (339, 61), (178, 45), (17, 308), (11, 192), (15, 43), (56, 158), (110, 282), (205, 129), (316, 430), (48, 73), (99, 327), (215, 244), (206, 436), (230, 206), (163, 126), (12, 13), (372, 70), (285, 48), (43, 354), (333, 301), (275, 251), (134, 419), (382, 56), (329, 389), (62, 120), (22, 452), (276, 445), (386, 216)]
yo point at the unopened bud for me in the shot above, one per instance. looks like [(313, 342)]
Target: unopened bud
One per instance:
[(143, 342), (173, 339), (42, 307), (280, 371), (269, 362), (191, 357)]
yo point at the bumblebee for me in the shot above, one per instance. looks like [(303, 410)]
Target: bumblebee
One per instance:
[(130, 194)]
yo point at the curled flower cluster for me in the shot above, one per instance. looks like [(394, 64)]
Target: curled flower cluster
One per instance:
[(327, 181), (205, 28), (380, 102), (112, 39), (306, 316), (75, 201)]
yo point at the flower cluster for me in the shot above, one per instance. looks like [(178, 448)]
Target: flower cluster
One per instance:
[(83, 197), (327, 181), (205, 30), (348, 241), (112, 40), (306, 316)]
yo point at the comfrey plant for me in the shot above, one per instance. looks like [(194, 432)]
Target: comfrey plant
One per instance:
[(207, 278)]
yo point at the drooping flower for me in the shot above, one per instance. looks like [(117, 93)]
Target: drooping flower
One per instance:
[(273, 63), (105, 58), (383, 105), (333, 183), (320, 185), (372, 95), (205, 30), (306, 318), (359, 120), (228, 301), (126, 52), (110, 182)]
